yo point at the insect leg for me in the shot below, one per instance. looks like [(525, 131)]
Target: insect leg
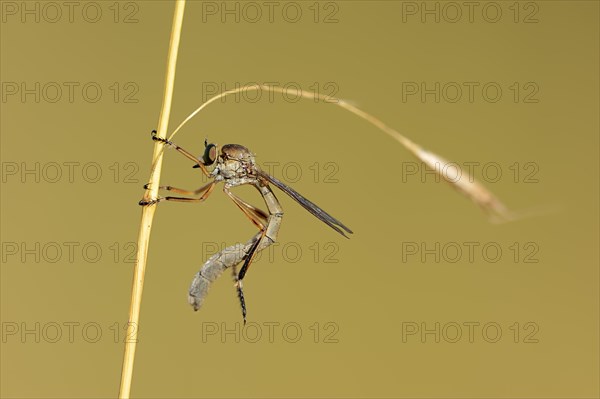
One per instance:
[(257, 217), (254, 214), (182, 191), (240, 293), (262, 241), (269, 231), (182, 151), (208, 189), (250, 257)]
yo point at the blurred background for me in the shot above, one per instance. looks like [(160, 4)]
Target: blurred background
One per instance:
[(427, 298)]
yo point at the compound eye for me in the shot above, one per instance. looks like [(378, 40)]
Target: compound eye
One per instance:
[(210, 154)]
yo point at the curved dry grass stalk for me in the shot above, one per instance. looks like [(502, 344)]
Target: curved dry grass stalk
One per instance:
[(148, 211), (465, 183)]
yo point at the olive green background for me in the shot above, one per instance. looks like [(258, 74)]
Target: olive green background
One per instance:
[(372, 292)]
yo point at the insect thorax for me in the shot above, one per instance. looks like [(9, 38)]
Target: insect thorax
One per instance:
[(236, 165)]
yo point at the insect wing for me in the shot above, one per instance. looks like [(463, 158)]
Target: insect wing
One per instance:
[(308, 205)]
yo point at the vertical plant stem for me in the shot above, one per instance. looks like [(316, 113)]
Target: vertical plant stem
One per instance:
[(148, 211)]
